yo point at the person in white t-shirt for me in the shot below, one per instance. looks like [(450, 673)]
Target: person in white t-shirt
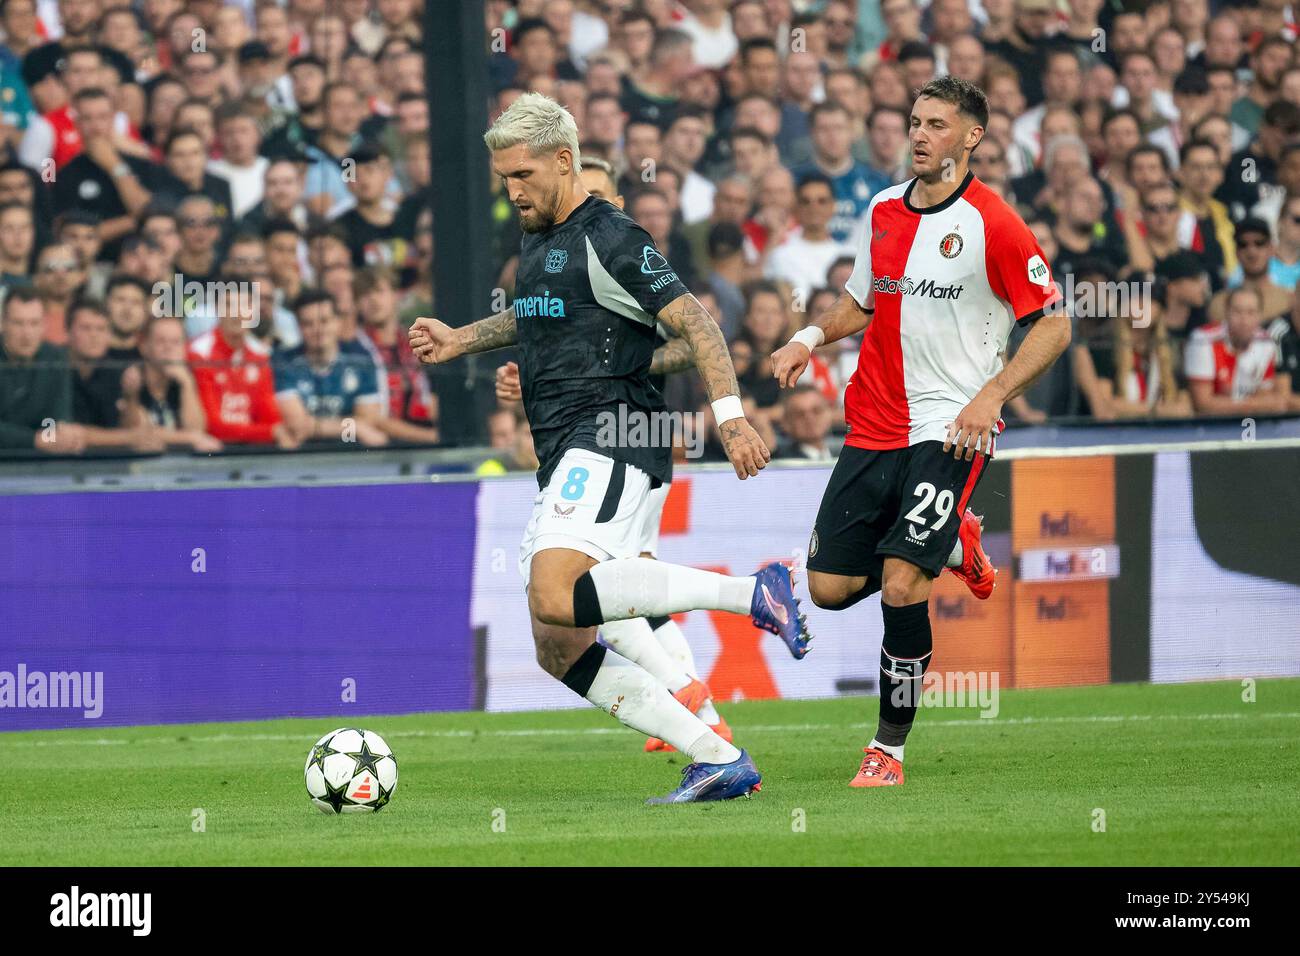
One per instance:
[(240, 164), (683, 144), (804, 258)]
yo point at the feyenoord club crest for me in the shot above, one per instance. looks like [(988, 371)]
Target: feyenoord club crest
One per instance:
[(950, 246), (555, 260)]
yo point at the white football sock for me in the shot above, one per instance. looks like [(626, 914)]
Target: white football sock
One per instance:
[(954, 559), (674, 642), (895, 752), (629, 693), (643, 587), (635, 640)]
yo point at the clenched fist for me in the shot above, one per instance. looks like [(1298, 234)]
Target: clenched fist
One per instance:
[(433, 342)]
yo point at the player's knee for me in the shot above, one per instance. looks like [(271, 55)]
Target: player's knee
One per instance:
[(896, 592), (550, 655), (551, 605), (834, 592)]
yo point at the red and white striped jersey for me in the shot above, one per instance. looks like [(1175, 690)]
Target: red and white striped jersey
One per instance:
[(947, 283), (1210, 356)]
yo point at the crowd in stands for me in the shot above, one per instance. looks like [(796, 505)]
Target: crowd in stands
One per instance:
[(1153, 148)]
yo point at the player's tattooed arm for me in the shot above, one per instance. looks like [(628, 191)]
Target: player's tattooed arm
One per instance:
[(435, 342), (692, 322), (675, 355), (845, 317)]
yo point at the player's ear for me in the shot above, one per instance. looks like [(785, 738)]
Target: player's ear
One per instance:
[(564, 161), (974, 136)]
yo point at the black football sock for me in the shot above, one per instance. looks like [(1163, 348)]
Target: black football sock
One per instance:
[(904, 658)]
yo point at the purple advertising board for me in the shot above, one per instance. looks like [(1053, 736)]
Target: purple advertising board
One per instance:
[(241, 604)]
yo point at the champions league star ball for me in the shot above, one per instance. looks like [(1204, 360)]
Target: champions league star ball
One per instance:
[(351, 771)]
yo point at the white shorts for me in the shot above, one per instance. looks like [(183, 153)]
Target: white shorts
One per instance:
[(596, 505)]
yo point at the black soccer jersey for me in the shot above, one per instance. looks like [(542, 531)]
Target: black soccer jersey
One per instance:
[(586, 295)]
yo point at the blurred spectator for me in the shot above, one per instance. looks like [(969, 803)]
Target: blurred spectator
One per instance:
[(373, 235), (233, 373), (126, 303), (803, 258), (35, 390), (17, 244), (160, 393), (97, 383), (240, 165), (766, 327), (852, 183), (326, 394), (1254, 257), (806, 425), (411, 414), (513, 438), (1232, 366), (59, 274), (1135, 373)]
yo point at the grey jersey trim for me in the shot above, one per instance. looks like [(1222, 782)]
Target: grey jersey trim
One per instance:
[(611, 295)]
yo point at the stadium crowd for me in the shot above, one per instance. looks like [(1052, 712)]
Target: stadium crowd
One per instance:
[(153, 153)]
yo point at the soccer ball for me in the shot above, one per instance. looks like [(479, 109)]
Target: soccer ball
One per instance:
[(351, 771)]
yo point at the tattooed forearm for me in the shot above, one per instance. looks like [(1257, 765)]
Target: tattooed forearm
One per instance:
[(690, 320), (495, 332), (675, 355)]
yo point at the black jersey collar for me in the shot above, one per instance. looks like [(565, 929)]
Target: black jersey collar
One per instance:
[(938, 207)]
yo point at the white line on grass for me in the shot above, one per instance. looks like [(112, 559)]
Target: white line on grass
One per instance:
[(589, 731)]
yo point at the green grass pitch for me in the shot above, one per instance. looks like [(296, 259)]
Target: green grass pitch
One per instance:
[(1186, 774)]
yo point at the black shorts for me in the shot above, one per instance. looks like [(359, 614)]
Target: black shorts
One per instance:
[(904, 503)]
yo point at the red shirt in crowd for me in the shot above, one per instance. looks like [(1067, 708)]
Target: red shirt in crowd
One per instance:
[(236, 387)]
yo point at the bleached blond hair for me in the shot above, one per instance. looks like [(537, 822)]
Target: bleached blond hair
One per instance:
[(540, 123)]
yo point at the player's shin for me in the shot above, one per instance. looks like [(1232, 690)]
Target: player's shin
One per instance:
[(642, 587), (631, 694), (904, 659), (635, 640), (673, 641)]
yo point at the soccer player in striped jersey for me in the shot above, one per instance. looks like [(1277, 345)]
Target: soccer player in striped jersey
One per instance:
[(944, 267)]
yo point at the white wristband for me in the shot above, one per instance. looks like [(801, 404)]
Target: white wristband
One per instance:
[(811, 337), (726, 408)]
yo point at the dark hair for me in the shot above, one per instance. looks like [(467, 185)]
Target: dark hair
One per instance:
[(647, 191), (725, 239), (1113, 114), (755, 43), (749, 132), (90, 93), (75, 217), (1283, 115), (825, 107), (966, 96), (813, 178), (915, 50), (277, 225), (310, 297), (180, 133), (1191, 82), (1190, 145), (119, 279), (521, 30), (1143, 148), (19, 293), (83, 304)]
